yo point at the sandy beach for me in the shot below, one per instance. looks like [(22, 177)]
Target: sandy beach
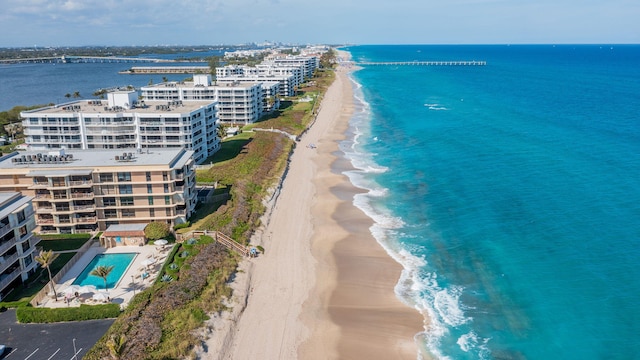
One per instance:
[(323, 289)]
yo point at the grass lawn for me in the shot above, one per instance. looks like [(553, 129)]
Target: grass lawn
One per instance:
[(62, 245), (36, 282)]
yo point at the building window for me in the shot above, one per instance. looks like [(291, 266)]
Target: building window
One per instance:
[(166, 188), (149, 189), (124, 176), (109, 201), (125, 189), (165, 177), (110, 213), (23, 231), (106, 177), (152, 212), (150, 200), (167, 200), (148, 176), (21, 216), (126, 201), (168, 212), (128, 213), (28, 260)]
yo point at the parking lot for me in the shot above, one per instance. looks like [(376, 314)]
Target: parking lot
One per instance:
[(48, 341)]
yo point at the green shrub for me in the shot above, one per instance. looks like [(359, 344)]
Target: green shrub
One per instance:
[(65, 237), (182, 226), (13, 304), (156, 230), (27, 314)]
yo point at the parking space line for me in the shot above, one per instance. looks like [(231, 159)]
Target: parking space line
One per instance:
[(75, 356), (12, 351), (54, 354), (30, 355)]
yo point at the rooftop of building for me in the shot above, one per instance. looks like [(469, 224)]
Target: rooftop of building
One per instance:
[(103, 107), (9, 201), (66, 160)]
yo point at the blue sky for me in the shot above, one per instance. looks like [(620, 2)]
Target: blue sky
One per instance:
[(209, 22)]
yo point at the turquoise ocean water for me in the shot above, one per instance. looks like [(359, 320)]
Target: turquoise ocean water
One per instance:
[(509, 193)]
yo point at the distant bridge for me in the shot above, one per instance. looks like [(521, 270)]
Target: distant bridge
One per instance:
[(82, 59), (423, 63)]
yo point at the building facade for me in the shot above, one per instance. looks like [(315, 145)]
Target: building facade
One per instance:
[(237, 103), (123, 122), (17, 242), (86, 191)]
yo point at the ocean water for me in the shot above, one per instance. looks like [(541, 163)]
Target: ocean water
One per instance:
[(509, 193)]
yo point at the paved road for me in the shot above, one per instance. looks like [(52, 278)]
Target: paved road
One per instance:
[(48, 341)]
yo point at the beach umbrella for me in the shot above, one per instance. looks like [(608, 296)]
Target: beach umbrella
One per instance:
[(149, 261), (71, 290), (100, 296), (162, 242), (87, 289)]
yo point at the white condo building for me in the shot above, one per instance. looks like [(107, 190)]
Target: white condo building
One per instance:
[(123, 122), (289, 77), (17, 243), (308, 63), (237, 103)]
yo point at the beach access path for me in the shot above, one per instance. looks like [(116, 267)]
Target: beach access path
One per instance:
[(324, 288)]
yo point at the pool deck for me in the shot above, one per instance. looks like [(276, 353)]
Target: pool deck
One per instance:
[(131, 281)]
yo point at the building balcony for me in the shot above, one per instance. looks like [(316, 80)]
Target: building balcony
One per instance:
[(4, 230), (7, 279), (80, 195), (42, 196), (7, 261), (46, 221), (7, 245), (83, 208), (86, 220), (44, 209), (81, 183), (39, 185), (103, 124)]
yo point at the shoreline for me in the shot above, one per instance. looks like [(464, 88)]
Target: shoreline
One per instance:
[(324, 288)]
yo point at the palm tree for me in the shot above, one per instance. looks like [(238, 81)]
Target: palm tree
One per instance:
[(45, 259), (102, 271), (116, 345)]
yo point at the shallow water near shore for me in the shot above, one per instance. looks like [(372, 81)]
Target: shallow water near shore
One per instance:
[(508, 192)]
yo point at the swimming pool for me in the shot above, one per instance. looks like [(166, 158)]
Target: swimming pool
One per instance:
[(120, 262)]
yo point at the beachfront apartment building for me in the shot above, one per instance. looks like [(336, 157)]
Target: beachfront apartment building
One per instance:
[(17, 242), (123, 122), (308, 64), (237, 103), (289, 77), (79, 191)]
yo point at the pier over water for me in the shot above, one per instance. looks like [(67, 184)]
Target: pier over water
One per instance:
[(422, 63)]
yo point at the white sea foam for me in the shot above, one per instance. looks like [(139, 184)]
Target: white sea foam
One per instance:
[(468, 341), (437, 108), (472, 342), (417, 287), (447, 303)]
